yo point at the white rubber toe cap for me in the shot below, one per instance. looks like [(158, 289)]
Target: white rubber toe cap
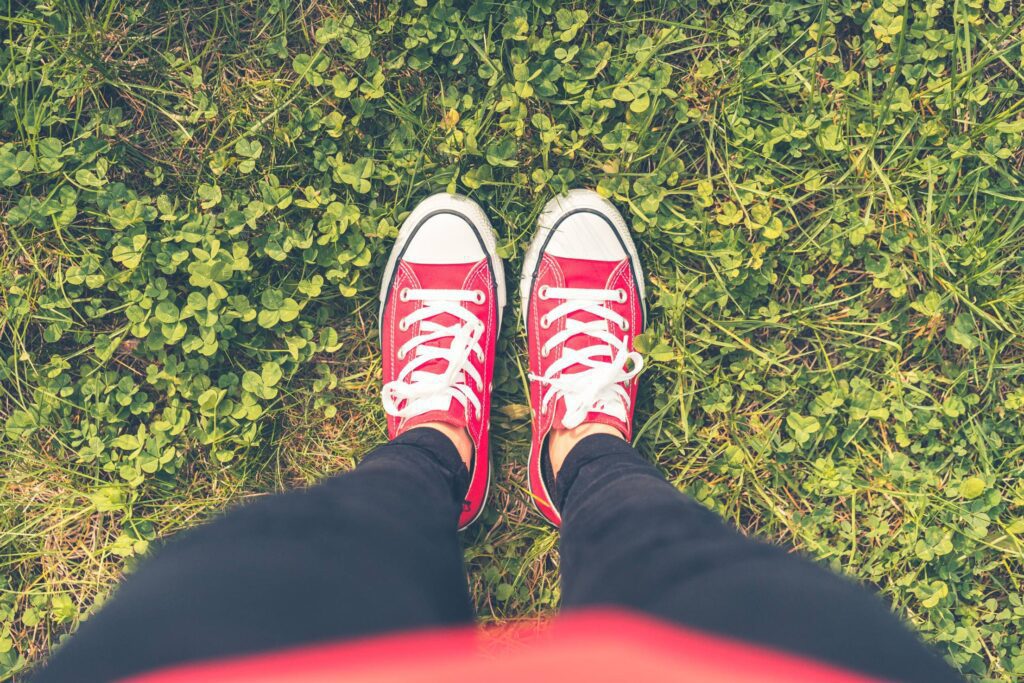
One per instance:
[(444, 238), (588, 227), (585, 235)]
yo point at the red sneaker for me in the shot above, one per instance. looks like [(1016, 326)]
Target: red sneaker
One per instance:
[(583, 305), (440, 312)]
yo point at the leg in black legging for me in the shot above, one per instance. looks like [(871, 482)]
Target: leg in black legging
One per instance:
[(630, 539), (366, 552)]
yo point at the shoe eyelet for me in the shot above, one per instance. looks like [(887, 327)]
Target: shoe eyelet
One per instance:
[(403, 294), (624, 326), (622, 295), (542, 293), (400, 354), (478, 296), (544, 351), (402, 325), (545, 322)]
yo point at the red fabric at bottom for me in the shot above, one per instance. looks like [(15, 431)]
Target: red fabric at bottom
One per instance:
[(592, 646)]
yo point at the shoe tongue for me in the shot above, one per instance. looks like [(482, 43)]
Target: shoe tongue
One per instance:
[(586, 274), (440, 276)]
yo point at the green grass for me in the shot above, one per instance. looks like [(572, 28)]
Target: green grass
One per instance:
[(196, 202)]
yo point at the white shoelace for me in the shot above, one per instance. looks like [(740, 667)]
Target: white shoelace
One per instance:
[(599, 387), (423, 391)]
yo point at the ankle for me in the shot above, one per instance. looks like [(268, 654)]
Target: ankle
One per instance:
[(561, 441), (457, 435)]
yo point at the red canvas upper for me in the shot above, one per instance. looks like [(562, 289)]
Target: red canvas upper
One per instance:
[(561, 272), (472, 277)]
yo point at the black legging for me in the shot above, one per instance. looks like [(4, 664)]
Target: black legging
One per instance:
[(376, 550)]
